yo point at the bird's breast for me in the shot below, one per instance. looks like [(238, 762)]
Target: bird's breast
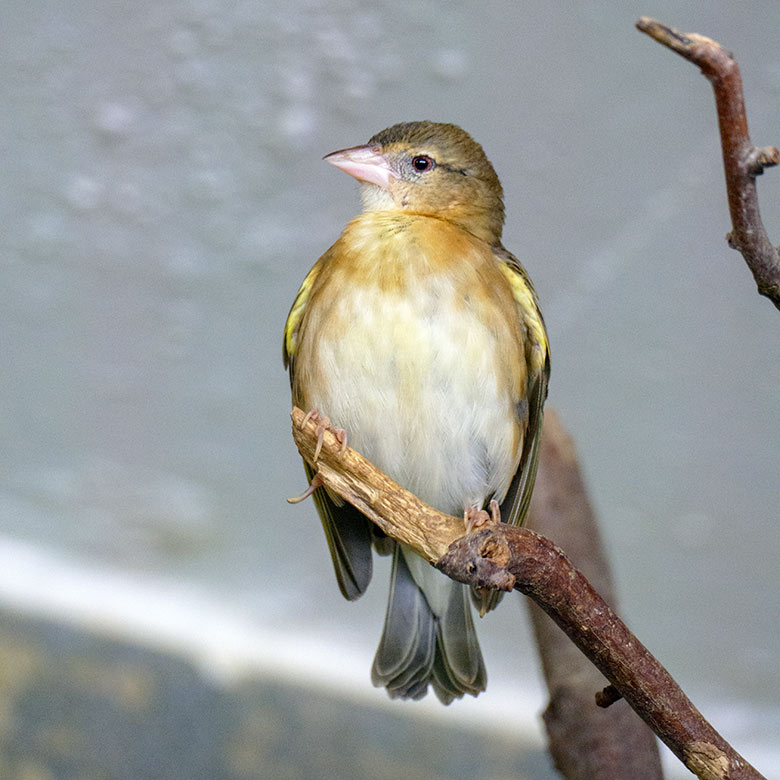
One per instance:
[(420, 361)]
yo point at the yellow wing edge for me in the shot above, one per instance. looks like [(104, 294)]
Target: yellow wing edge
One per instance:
[(537, 350), (295, 316)]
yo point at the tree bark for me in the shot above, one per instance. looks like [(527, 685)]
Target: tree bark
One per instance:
[(585, 741)]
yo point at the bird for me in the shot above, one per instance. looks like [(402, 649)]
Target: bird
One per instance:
[(419, 336)]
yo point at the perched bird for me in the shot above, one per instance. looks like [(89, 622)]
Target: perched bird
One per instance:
[(421, 336)]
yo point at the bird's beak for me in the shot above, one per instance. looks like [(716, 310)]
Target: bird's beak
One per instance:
[(365, 163)]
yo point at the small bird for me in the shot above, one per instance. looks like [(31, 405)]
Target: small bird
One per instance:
[(420, 335)]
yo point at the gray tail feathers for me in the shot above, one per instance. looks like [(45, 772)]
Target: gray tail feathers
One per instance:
[(419, 648)]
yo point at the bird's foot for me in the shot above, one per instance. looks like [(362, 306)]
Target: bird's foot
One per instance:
[(475, 518), (313, 485), (323, 424)]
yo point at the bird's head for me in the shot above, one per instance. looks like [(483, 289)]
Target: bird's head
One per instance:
[(428, 168)]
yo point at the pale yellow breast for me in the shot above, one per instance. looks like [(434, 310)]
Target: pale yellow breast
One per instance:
[(411, 343)]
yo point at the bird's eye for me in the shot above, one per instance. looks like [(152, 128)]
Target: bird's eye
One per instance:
[(422, 163)]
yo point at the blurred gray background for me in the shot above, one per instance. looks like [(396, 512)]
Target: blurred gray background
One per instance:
[(162, 198)]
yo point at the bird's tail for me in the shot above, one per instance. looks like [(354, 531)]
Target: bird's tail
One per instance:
[(419, 647)]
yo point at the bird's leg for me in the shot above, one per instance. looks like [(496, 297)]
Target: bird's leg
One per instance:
[(475, 518), (323, 424), (312, 414), (316, 481), (341, 438)]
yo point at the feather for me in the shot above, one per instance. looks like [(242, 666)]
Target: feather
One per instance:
[(419, 647)]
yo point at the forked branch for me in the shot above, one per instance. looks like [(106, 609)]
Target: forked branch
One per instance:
[(741, 160)]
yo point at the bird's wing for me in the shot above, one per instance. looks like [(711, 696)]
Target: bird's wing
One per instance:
[(349, 535), (295, 317), (537, 354), (530, 411), (348, 532)]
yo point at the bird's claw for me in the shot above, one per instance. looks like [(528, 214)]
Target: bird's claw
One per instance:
[(475, 518), (313, 485), (323, 424)]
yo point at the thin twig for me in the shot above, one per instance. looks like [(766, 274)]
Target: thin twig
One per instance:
[(741, 160), (504, 557)]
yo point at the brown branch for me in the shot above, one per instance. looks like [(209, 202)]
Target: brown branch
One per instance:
[(741, 160), (506, 557), (542, 571), (585, 741)]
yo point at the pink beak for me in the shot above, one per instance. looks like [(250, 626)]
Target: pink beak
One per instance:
[(365, 163)]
